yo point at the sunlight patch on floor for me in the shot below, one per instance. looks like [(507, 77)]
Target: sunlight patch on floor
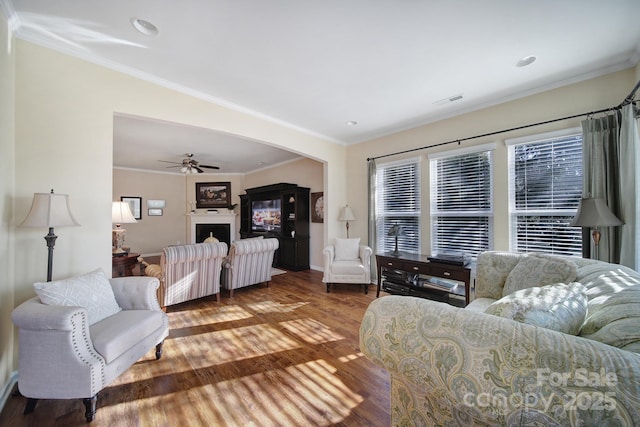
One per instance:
[(311, 331), (217, 314), (300, 395), (275, 307), (229, 345), (350, 357)]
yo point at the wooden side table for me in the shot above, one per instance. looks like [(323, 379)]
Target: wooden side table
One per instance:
[(123, 266)]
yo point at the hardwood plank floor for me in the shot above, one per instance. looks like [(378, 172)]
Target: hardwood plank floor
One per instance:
[(284, 355)]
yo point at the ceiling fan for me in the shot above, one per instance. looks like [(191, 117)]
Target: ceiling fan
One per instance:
[(189, 165)]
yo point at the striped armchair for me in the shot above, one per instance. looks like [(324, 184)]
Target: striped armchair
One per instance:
[(249, 262), (190, 272)]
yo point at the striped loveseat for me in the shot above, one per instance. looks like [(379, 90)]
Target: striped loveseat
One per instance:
[(189, 272), (249, 262)]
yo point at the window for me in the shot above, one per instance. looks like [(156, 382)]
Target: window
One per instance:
[(461, 200), (398, 202), (545, 187)]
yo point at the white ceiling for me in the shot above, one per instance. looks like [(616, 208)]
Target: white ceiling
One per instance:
[(315, 65)]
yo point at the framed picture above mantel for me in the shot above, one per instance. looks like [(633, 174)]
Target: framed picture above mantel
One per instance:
[(213, 195)]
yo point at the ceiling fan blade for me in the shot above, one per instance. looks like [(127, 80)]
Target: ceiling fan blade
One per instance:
[(174, 166), (198, 169), (209, 167), (167, 161)]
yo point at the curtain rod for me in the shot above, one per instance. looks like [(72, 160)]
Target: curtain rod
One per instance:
[(627, 100)]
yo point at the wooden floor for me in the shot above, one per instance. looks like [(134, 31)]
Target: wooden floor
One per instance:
[(286, 355)]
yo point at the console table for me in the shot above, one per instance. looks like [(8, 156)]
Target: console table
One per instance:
[(414, 275), (123, 266)]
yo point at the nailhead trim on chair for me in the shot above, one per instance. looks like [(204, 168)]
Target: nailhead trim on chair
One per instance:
[(88, 345)]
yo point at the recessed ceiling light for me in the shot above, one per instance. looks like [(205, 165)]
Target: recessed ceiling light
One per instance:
[(527, 60), (145, 27), (352, 123)]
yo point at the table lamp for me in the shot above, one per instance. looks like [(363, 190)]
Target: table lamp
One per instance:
[(594, 213), (120, 214), (49, 210), (347, 215), (395, 231)]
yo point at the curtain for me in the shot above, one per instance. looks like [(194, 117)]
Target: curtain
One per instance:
[(373, 238), (611, 157), (629, 187), (600, 178)]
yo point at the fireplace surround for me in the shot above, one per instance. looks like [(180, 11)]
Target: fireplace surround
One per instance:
[(223, 226)]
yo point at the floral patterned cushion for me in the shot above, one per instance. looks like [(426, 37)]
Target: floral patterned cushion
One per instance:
[(561, 307), (539, 270), (493, 268)]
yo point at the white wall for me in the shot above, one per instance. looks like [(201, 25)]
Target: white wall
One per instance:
[(590, 95), (7, 194), (152, 233), (64, 109)]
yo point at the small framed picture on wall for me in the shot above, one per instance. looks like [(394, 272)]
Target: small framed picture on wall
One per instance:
[(135, 204)]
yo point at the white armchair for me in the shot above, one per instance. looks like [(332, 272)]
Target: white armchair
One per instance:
[(69, 347), (347, 262)]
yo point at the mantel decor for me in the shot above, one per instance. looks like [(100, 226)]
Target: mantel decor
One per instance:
[(213, 195)]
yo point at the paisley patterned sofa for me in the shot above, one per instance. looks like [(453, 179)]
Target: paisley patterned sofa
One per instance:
[(453, 366)]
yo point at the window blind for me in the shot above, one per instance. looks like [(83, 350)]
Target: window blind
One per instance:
[(398, 202), (545, 180), (462, 202)]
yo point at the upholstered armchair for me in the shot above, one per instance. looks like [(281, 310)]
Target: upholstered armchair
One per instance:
[(189, 272), (79, 334), (347, 262), (249, 262)]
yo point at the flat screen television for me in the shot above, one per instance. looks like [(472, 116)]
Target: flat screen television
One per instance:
[(265, 215)]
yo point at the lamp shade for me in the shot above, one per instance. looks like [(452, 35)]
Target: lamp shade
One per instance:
[(49, 210), (347, 214), (121, 213), (594, 212)]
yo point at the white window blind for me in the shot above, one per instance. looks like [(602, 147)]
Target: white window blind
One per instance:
[(461, 201), (398, 202), (545, 187)]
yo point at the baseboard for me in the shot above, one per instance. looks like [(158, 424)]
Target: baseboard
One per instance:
[(315, 267), (151, 254), (8, 389)]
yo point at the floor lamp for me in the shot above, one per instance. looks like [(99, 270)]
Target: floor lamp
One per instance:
[(594, 213), (347, 215), (49, 210)]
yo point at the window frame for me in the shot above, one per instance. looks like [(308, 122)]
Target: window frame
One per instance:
[(552, 214), (411, 240), (487, 213)]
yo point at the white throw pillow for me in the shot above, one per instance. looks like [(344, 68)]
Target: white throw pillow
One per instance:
[(91, 291), (560, 306), (539, 270), (347, 249)]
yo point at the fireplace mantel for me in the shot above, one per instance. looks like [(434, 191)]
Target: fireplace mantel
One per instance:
[(213, 218)]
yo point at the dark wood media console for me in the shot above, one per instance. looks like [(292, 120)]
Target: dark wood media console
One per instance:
[(415, 275)]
